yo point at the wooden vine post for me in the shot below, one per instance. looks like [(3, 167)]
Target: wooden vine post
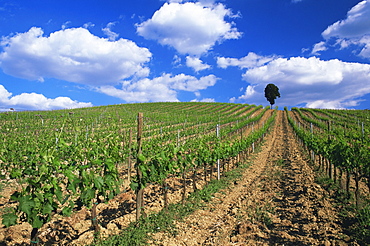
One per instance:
[(94, 220), (34, 237), (139, 190), (183, 195), (333, 168), (165, 195), (129, 155), (218, 160)]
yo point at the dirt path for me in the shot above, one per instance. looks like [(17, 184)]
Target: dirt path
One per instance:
[(276, 203)]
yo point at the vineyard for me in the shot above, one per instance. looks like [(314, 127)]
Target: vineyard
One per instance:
[(75, 177)]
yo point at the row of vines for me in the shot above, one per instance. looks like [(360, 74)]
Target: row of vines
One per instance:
[(340, 142), (61, 161), (339, 145)]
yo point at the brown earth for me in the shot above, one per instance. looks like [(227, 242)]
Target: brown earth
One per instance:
[(277, 202)]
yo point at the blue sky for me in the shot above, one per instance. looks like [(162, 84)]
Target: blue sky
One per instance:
[(68, 54)]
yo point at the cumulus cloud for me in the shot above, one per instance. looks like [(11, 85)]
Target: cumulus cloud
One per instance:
[(196, 63), (249, 61), (309, 81), (74, 55), (355, 29), (34, 101), (159, 89), (191, 28)]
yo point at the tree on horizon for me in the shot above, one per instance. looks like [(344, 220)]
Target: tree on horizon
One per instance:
[(271, 93)]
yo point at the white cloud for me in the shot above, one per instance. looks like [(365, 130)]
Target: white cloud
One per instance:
[(4, 95), (317, 48), (204, 100), (189, 83), (34, 101), (337, 104), (196, 63), (355, 29), (309, 81), (190, 28), (304, 71), (249, 61), (112, 36), (73, 55), (357, 23), (142, 91), (249, 92), (160, 89)]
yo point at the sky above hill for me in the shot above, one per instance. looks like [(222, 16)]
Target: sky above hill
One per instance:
[(67, 54)]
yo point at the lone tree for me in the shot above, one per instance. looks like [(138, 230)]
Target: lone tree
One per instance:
[(271, 93)]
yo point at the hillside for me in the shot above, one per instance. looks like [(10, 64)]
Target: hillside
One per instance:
[(78, 172)]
